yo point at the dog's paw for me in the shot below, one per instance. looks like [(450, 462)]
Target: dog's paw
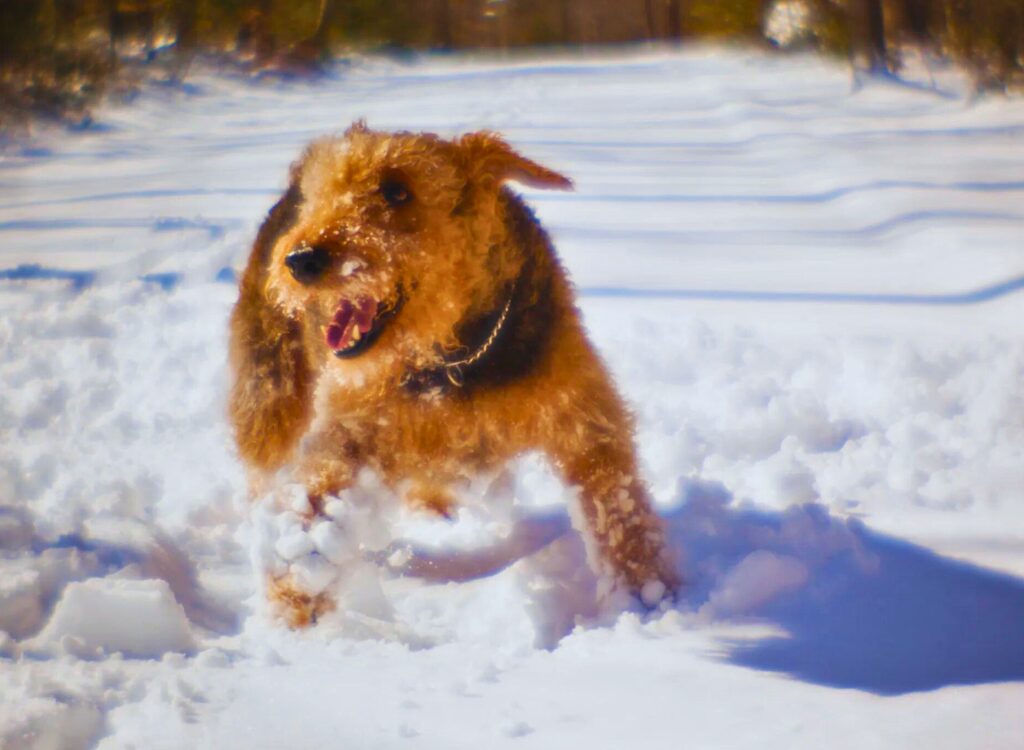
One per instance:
[(333, 541), (294, 498), (292, 602), (304, 556), (430, 499), (324, 554)]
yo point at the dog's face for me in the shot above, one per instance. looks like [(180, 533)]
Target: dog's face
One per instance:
[(398, 238)]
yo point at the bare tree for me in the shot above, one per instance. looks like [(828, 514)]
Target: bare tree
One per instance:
[(320, 40), (264, 39), (567, 25), (916, 16), (186, 39), (651, 18), (675, 19), (867, 22), (443, 31)]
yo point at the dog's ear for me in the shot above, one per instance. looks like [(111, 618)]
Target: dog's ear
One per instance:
[(489, 160), (271, 395)]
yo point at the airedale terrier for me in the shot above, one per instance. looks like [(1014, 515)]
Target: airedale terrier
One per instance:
[(403, 311)]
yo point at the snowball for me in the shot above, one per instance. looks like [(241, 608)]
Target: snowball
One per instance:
[(332, 542), (337, 509), (757, 579), (652, 593), (294, 545), (137, 618), (399, 557), (296, 498), (313, 573)]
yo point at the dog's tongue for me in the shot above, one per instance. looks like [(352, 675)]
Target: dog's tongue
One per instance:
[(351, 321)]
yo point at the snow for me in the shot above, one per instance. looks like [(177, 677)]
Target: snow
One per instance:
[(138, 618), (808, 287)]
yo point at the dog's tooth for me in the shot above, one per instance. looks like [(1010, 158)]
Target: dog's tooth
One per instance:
[(355, 334)]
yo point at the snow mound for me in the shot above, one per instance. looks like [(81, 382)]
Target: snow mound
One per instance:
[(107, 615)]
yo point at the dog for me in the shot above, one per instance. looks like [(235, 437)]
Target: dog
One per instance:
[(403, 311)]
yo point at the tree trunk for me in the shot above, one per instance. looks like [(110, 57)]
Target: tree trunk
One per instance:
[(114, 24), (869, 30), (652, 19), (321, 40), (566, 21), (186, 17), (443, 36), (1007, 35), (916, 15), (186, 39), (675, 20), (265, 40)]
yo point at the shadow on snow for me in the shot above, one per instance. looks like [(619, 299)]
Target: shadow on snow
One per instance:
[(862, 611), (81, 280)]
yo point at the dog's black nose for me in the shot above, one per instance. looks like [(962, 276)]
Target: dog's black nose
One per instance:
[(307, 264)]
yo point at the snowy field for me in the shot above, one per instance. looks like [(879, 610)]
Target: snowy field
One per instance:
[(811, 288)]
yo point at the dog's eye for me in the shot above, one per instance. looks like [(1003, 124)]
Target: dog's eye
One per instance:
[(307, 264), (395, 192)]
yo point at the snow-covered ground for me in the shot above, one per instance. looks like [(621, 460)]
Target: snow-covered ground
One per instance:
[(808, 286)]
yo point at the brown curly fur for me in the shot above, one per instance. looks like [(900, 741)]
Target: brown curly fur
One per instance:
[(448, 261), (298, 608)]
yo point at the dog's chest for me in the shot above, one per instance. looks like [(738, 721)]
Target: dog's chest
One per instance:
[(413, 430)]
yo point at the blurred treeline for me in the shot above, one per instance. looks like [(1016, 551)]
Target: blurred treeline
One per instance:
[(57, 56)]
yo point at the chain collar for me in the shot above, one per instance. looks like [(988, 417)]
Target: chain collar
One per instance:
[(452, 370)]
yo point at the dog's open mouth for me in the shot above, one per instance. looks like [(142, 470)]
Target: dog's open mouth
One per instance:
[(356, 325)]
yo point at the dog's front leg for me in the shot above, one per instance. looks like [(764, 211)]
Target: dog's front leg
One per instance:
[(627, 538), (327, 464), (312, 547)]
